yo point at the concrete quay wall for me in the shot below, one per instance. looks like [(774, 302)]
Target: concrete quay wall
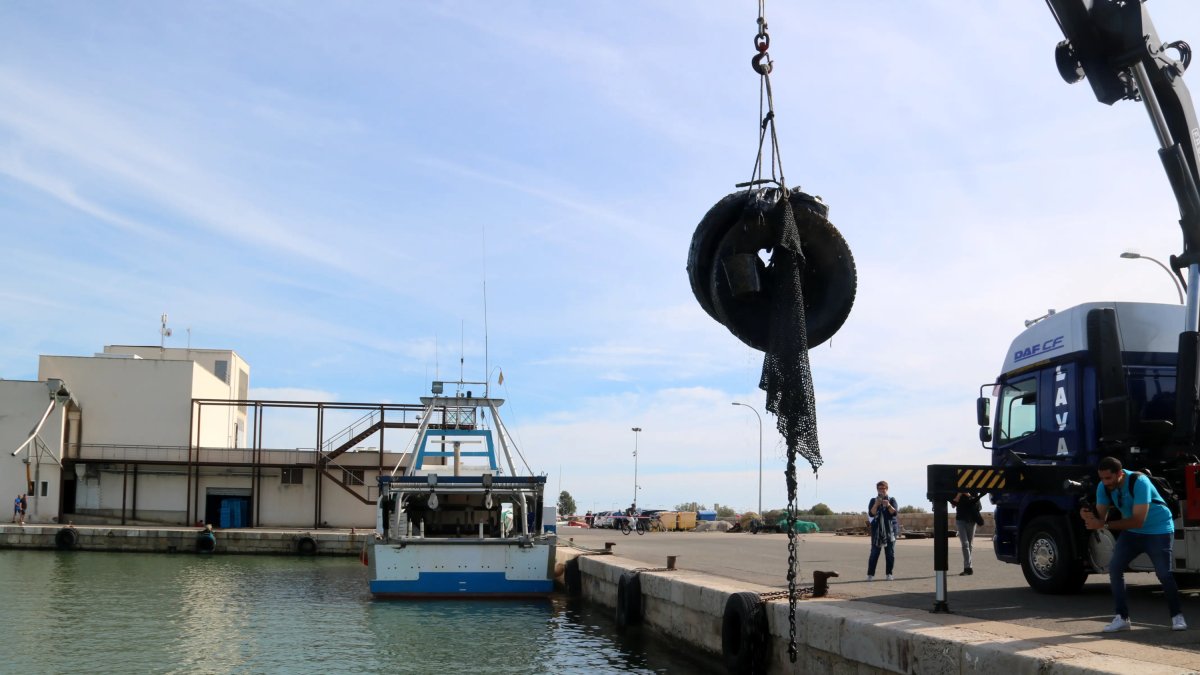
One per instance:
[(842, 637), (183, 540)]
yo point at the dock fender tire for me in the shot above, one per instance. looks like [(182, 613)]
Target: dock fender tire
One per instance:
[(745, 634), (1048, 557), (66, 539), (573, 578), (206, 542), (306, 545), (629, 600)]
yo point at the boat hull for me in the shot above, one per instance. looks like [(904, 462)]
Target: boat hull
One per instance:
[(461, 568)]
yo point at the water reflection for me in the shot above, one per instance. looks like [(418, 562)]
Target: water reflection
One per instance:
[(104, 612)]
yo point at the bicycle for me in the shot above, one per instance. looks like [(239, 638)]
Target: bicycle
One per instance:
[(656, 525), (639, 524)]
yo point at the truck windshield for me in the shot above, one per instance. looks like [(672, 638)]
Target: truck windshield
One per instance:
[(1017, 415)]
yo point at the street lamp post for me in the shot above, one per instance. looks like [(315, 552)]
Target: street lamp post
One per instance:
[(1130, 255), (636, 430), (760, 511)]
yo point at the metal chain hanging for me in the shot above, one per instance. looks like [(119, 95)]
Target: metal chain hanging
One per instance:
[(761, 63)]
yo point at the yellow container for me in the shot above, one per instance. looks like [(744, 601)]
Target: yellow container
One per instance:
[(669, 519), (687, 520)]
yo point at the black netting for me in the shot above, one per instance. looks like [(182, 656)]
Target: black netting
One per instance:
[(786, 375)]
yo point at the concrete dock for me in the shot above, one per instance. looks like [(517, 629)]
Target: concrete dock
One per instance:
[(998, 624), (164, 539)]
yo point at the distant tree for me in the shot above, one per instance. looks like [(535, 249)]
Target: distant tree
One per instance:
[(724, 511), (820, 510), (912, 509), (566, 504), (690, 506)]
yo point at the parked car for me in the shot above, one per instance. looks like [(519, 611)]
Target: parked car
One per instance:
[(603, 519)]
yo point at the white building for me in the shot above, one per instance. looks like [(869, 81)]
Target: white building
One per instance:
[(168, 436)]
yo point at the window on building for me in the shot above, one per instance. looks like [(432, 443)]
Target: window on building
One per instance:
[(292, 476), (353, 477), (45, 488), (221, 370)]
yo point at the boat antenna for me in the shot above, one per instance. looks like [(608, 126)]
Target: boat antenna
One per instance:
[(487, 372), (462, 349), (436, 366)]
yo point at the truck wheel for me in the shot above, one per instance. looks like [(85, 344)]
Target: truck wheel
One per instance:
[(1046, 557)]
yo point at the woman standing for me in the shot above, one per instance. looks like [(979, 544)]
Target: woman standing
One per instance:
[(882, 510), (966, 518)]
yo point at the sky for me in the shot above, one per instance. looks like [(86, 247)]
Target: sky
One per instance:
[(360, 198)]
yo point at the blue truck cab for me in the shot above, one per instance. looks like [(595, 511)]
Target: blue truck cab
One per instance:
[(1094, 380)]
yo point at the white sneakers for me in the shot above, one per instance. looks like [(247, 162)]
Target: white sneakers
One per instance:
[(1118, 623), (870, 577), (892, 578)]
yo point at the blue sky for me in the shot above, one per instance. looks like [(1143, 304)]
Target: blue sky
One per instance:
[(324, 188)]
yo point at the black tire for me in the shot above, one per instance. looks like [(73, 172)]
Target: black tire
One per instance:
[(641, 527), (306, 545), (629, 600), (66, 539), (625, 528), (1048, 557), (206, 542), (573, 578), (745, 636), (829, 280)]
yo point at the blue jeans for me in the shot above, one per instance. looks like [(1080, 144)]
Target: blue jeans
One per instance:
[(1158, 547), (874, 560)]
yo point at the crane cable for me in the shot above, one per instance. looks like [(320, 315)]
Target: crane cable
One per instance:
[(761, 63)]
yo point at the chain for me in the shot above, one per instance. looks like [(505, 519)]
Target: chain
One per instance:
[(790, 474), (762, 64)]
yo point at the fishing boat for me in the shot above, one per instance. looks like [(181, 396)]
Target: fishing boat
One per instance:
[(460, 520)]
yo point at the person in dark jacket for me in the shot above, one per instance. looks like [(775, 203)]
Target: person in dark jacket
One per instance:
[(882, 511), (966, 517)]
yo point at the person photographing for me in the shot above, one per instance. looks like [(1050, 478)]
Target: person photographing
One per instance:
[(1146, 526), (882, 512)]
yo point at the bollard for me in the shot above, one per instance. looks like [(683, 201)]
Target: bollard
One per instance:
[(671, 562), (608, 546)]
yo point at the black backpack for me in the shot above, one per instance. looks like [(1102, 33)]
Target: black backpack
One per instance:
[(1166, 494)]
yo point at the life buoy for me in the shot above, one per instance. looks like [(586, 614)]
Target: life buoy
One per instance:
[(573, 578), (66, 539), (629, 600), (306, 545), (745, 636), (206, 542), (732, 284)]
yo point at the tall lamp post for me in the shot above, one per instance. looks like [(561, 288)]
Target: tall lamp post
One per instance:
[(1130, 255), (636, 431), (759, 454)]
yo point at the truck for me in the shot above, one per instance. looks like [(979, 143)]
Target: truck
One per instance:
[(1100, 379)]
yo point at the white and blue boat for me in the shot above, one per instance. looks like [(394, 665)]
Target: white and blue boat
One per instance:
[(460, 520)]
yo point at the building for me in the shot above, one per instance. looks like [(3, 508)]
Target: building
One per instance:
[(168, 436)]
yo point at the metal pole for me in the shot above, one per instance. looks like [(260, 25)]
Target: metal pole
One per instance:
[(1130, 255), (759, 417), (636, 430)]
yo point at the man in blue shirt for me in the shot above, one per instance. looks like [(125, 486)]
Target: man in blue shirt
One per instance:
[(1146, 526)]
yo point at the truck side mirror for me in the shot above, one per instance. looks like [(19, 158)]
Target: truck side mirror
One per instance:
[(983, 410), (985, 434)]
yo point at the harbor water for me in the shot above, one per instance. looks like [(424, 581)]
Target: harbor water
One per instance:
[(128, 612)]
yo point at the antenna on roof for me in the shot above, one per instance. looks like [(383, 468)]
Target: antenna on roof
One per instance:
[(462, 349), (164, 333)]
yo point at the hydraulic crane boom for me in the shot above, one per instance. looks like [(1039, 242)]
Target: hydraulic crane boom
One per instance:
[(1114, 45)]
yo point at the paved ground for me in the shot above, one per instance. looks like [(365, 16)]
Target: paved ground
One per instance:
[(996, 592)]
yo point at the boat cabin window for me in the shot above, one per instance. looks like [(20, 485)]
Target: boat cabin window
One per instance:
[(1017, 414)]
